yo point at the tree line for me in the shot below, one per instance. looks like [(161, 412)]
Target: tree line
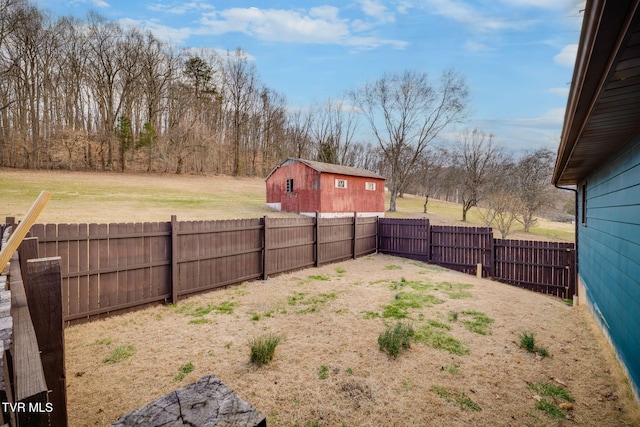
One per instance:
[(92, 94)]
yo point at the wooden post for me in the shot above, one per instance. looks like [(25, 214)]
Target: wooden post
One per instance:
[(174, 260), (316, 238), (479, 271), (27, 250), (355, 229), (265, 274), (18, 234), (377, 233), (43, 289), (29, 382)]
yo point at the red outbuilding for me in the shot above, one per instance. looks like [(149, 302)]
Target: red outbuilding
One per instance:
[(307, 187)]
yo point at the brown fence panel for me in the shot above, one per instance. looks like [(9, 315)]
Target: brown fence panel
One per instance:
[(290, 244), (212, 254), (408, 238), (546, 267), (366, 236), (335, 239), (108, 267), (463, 248)]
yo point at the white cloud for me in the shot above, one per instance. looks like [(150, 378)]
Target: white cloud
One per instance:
[(567, 56), (465, 13), (177, 36), (317, 25), (97, 3), (527, 133), (180, 8), (546, 4), (377, 10), (474, 46), (561, 91)]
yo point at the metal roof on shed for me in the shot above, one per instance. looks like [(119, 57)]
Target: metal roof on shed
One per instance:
[(329, 168)]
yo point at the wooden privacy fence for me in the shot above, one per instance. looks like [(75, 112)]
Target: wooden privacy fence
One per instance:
[(111, 267), (546, 267)]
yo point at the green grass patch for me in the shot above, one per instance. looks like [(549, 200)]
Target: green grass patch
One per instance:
[(190, 308), (396, 339), (549, 408), (459, 398), (479, 322), (527, 341), (183, 371), (403, 301), (393, 267), (199, 321), (323, 372), (413, 284), (454, 290), (439, 338), (318, 277), (437, 324), (556, 392), (120, 353), (313, 302), (262, 349), (453, 368), (340, 270), (103, 341), (553, 234)]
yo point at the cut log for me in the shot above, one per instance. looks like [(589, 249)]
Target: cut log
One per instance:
[(207, 402)]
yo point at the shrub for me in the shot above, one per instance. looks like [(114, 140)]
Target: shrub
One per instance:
[(396, 339), (263, 349)]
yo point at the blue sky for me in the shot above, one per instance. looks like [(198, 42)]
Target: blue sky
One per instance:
[(517, 56)]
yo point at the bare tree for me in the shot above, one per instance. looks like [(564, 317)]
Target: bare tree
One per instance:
[(477, 163), (406, 112), (332, 130), (241, 83), (532, 181), (298, 134)]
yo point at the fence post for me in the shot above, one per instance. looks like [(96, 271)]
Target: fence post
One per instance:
[(43, 289), (29, 383), (428, 225), (316, 238), (264, 248), (355, 229), (492, 264), (174, 259), (377, 234), (27, 250)]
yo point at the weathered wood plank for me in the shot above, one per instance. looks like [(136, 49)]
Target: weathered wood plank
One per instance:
[(29, 381), (43, 291)]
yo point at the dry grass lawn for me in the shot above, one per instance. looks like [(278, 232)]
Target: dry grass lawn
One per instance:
[(329, 370)]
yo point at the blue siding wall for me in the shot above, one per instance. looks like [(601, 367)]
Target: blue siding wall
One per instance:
[(609, 251)]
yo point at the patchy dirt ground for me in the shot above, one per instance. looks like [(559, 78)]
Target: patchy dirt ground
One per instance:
[(329, 370)]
